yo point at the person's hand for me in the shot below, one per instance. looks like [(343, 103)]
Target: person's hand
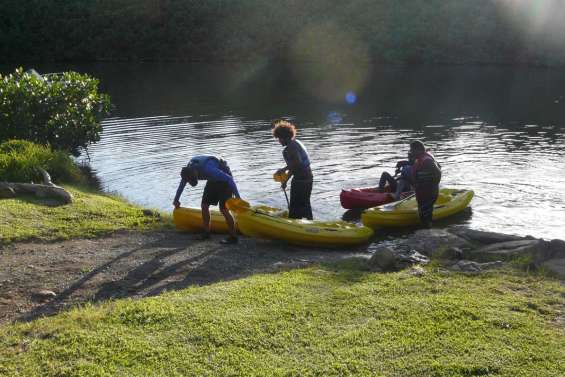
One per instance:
[(402, 163), (176, 203)]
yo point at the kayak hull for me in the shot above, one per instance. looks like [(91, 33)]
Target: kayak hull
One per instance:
[(190, 219), (364, 198), (405, 213), (266, 222)]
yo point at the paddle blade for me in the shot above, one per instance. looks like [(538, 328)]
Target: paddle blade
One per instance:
[(237, 205), (280, 177)]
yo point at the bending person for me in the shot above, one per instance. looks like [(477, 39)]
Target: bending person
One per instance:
[(298, 167), (220, 186)]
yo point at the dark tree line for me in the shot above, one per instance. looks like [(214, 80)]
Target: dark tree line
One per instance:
[(413, 31)]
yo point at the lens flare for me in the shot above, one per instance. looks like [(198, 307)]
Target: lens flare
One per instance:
[(329, 61), (350, 98), (539, 23)]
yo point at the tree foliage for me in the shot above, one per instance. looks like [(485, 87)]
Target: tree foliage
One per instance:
[(428, 31), (63, 111)]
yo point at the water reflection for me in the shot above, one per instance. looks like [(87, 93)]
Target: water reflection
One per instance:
[(497, 130), (517, 177)]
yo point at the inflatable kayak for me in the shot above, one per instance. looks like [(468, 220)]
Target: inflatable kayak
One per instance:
[(405, 212), (267, 222), (191, 219), (364, 198)]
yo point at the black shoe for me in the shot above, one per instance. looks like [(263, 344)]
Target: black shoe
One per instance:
[(204, 236), (229, 240)]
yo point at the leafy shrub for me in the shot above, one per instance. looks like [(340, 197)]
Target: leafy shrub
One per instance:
[(64, 110), (20, 160)]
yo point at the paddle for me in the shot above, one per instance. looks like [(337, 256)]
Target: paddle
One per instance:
[(282, 178), (237, 205), (395, 204)]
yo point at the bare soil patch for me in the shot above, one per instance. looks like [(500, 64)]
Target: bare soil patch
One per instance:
[(133, 264)]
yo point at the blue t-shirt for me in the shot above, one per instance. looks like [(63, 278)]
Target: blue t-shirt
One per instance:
[(209, 168)]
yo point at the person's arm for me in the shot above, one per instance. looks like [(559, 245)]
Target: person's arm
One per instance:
[(216, 174), (180, 189)]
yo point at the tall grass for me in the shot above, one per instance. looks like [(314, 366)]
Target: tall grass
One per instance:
[(20, 162)]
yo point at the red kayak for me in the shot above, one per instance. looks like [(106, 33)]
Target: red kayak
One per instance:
[(364, 198)]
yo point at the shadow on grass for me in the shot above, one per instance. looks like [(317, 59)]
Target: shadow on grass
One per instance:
[(176, 261), (42, 201)]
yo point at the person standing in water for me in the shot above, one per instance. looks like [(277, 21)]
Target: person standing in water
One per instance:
[(220, 186), (298, 167), (426, 175)]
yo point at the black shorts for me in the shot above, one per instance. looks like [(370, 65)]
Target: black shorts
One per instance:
[(216, 192)]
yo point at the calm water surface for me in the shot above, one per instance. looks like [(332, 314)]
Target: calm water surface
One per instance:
[(498, 131)]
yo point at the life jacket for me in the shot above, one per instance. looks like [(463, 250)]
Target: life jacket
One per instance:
[(425, 175), (304, 157)]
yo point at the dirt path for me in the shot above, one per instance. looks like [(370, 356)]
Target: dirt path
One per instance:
[(132, 264)]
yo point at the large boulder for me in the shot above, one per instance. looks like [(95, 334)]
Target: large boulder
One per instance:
[(557, 248), (555, 267), (528, 249), (437, 243), (482, 237)]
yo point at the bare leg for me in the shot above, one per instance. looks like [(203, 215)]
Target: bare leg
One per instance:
[(206, 217), (229, 220)]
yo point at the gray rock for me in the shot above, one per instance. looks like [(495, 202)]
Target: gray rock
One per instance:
[(474, 267), (534, 249), (6, 192), (404, 260), (43, 295), (481, 237), (388, 259), (555, 267), (436, 242), (384, 258), (557, 248)]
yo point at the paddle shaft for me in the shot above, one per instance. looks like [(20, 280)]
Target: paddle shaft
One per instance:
[(286, 197), (394, 204)]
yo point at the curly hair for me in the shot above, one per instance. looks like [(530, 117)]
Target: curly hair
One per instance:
[(283, 129)]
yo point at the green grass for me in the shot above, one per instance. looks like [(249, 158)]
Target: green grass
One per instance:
[(20, 160), (322, 321), (91, 214)]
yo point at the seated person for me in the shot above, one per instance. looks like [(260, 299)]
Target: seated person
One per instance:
[(399, 183)]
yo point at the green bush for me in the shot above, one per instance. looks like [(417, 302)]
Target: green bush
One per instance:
[(20, 160), (62, 110)]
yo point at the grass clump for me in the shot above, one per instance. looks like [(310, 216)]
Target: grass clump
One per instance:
[(333, 320), (20, 160)]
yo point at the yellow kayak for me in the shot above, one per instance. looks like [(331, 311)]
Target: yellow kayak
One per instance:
[(271, 223), (405, 212), (191, 219)]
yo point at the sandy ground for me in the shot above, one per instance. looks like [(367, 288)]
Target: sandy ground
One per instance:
[(132, 264)]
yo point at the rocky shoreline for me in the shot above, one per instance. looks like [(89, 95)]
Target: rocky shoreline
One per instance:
[(467, 250)]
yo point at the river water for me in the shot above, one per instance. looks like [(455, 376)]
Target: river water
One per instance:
[(499, 131)]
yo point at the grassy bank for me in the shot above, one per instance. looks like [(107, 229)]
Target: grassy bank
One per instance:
[(92, 214), (326, 320)]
